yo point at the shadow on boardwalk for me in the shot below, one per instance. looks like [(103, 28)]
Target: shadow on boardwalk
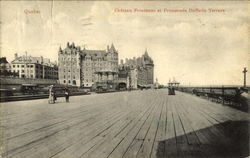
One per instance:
[(235, 145)]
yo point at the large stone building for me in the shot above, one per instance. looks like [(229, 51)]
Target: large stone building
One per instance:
[(88, 68), (140, 70), (34, 67)]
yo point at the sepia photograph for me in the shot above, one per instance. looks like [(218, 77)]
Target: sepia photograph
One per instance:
[(124, 79)]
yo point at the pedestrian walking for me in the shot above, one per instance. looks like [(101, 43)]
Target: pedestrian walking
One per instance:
[(66, 93)]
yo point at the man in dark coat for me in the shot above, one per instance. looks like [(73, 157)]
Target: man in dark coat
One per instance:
[(66, 93)]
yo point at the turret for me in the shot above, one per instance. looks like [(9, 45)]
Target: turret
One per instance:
[(146, 53), (60, 49), (126, 61), (122, 61), (112, 49)]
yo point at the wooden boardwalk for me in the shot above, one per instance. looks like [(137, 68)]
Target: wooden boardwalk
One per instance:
[(143, 124)]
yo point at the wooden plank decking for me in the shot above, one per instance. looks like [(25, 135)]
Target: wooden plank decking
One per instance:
[(123, 125)]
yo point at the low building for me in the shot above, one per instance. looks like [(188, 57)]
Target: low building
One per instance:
[(34, 67)]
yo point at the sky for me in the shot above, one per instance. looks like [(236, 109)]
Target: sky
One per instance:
[(196, 48)]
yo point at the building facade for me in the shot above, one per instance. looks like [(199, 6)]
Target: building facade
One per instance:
[(87, 68), (34, 67), (133, 78), (123, 78), (140, 70)]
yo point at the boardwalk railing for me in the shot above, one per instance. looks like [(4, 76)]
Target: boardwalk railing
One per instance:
[(37, 96), (223, 94)]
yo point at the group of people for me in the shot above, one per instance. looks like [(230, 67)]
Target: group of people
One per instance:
[(171, 91), (53, 97)]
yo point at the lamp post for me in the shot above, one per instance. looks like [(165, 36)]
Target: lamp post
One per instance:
[(245, 75)]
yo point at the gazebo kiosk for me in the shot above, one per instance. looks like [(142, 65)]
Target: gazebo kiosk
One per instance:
[(171, 87)]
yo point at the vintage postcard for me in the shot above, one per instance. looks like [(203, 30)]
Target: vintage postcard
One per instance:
[(124, 79)]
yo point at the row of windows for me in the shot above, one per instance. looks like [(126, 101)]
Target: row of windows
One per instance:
[(16, 71), (87, 69), (22, 66), (32, 66), (102, 59), (99, 64), (73, 82), (64, 70), (90, 64), (69, 77), (98, 69), (22, 71), (68, 59), (37, 76), (31, 71), (89, 80), (69, 63), (31, 76)]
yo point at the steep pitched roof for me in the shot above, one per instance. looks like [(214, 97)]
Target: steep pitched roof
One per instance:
[(33, 60), (94, 53), (112, 47), (3, 60)]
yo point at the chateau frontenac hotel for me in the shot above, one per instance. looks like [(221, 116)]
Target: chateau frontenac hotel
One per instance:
[(99, 68)]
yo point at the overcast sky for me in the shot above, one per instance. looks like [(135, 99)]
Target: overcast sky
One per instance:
[(194, 47)]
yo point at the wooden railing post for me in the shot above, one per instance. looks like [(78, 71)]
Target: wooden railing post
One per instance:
[(223, 95), (210, 91)]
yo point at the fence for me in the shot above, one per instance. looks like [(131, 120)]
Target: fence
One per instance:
[(223, 94), (14, 81)]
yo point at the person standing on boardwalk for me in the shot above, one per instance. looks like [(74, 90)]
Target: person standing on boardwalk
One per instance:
[(54, 95), (66, 93), (51, 95)]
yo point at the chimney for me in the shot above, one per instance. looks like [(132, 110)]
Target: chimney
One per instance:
[(126, 60), (107, 47), (122, 61), (26, 58), (41, 59), (16, 55)]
